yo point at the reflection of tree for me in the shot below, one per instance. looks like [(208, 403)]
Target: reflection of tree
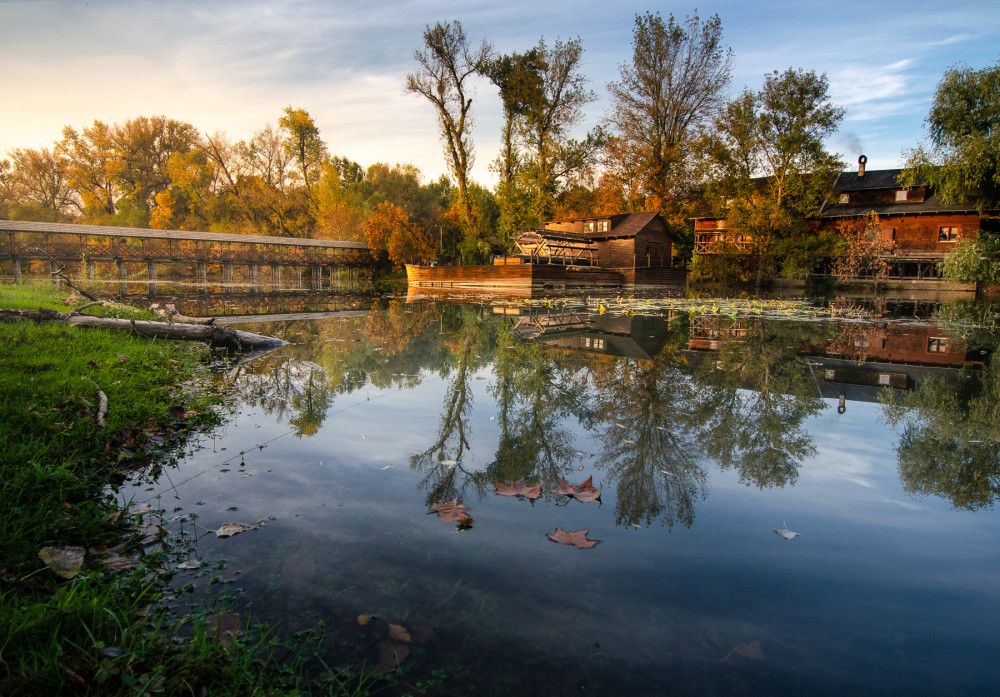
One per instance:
[(949, 444), (536, 389), (277, 383), (311, 403), (445, 477), (752, 396), (650, 449)]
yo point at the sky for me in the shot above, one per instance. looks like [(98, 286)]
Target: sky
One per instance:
[(233, 66)]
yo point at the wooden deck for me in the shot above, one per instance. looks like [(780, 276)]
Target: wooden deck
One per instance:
[(527, 276), (512, 276)]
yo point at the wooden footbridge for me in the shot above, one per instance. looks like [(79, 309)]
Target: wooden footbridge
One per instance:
[(141, 253)]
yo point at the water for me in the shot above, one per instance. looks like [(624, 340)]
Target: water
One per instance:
[(704, 432)]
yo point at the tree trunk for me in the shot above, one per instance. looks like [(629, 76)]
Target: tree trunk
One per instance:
[(213, 334)]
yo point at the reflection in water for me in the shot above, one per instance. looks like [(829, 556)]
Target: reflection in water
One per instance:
[(673, 413)]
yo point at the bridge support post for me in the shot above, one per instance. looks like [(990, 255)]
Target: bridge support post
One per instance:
[(16, 263), (253, 278), (54, 270), (151, 275), (298, 278), (275, 276), (91, 270), (203, 276), (122, 276), (227, 277), (317, 277)]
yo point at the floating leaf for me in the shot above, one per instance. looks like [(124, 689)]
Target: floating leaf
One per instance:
[(452, 511), (391, 655), (399, 633), (576, 538), (190, 564), (584, 492), (365, 619), (753, 651), (230, 529), (786, 533), (65, 561), (519, 488)]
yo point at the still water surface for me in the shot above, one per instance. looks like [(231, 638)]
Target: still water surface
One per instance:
[(706, 429)]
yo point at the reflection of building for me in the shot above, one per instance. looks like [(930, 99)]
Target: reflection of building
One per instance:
[(880, 353), (639, 337)]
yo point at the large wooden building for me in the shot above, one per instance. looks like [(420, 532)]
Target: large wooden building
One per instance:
[(639, 246), (923, 228)]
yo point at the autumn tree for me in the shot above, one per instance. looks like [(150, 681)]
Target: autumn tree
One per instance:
[(865, 249), (302, 143), (389, 230), (770, 170), (446, 68), (36, 186), (674, 84)]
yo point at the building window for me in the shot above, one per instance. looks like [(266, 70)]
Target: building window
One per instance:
[(599, 344), (588, 226), (603, 225), (947, 233), (845, 198), (902, 195), (937, 344)]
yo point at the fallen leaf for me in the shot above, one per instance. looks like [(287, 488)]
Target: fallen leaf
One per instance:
[(399, 633), (65, 561), (583, 492), (224, 627), (786, 533), (143, 611), (577, 538), (123, 358), (365, 619), (391, 655), (753, 651), (230, 529), (519, 488), (190, 564), (451, 511)]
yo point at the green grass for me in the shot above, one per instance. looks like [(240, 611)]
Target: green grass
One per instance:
[(92, 634)]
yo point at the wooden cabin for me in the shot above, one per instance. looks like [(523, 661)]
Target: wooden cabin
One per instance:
[(923, 228), (639, 246)]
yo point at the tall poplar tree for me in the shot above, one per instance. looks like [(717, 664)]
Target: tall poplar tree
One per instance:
[(445, 70)]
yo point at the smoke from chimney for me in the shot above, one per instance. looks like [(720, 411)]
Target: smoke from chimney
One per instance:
[(861, 166)]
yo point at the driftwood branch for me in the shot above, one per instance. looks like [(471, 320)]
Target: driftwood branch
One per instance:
[(213, 334), (66, 278)]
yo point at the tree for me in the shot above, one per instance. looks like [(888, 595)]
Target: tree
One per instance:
[(444, 72), (770, 170), (38, 186), (674, 84), (302, 143), (865, 249), (962, 157), (389, 229)]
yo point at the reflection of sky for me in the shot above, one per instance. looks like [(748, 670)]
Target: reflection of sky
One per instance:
[(882, 590)]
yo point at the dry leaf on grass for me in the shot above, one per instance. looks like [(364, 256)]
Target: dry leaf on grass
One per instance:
[(399, 633), (65, 561), (519, 488), (576, 538)]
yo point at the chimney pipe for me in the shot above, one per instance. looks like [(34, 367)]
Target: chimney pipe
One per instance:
[(861, 166)]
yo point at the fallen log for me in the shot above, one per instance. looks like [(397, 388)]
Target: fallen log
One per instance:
[(215, 335)]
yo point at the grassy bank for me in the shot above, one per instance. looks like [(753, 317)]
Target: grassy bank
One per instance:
[(99, 628)]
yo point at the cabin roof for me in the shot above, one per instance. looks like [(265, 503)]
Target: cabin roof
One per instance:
[(622, 225)]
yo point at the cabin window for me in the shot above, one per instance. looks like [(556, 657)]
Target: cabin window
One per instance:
[(597, 344), (902, 195), (588, 225), (603, 225), (937, 344), (947, 233), (845, 198)]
